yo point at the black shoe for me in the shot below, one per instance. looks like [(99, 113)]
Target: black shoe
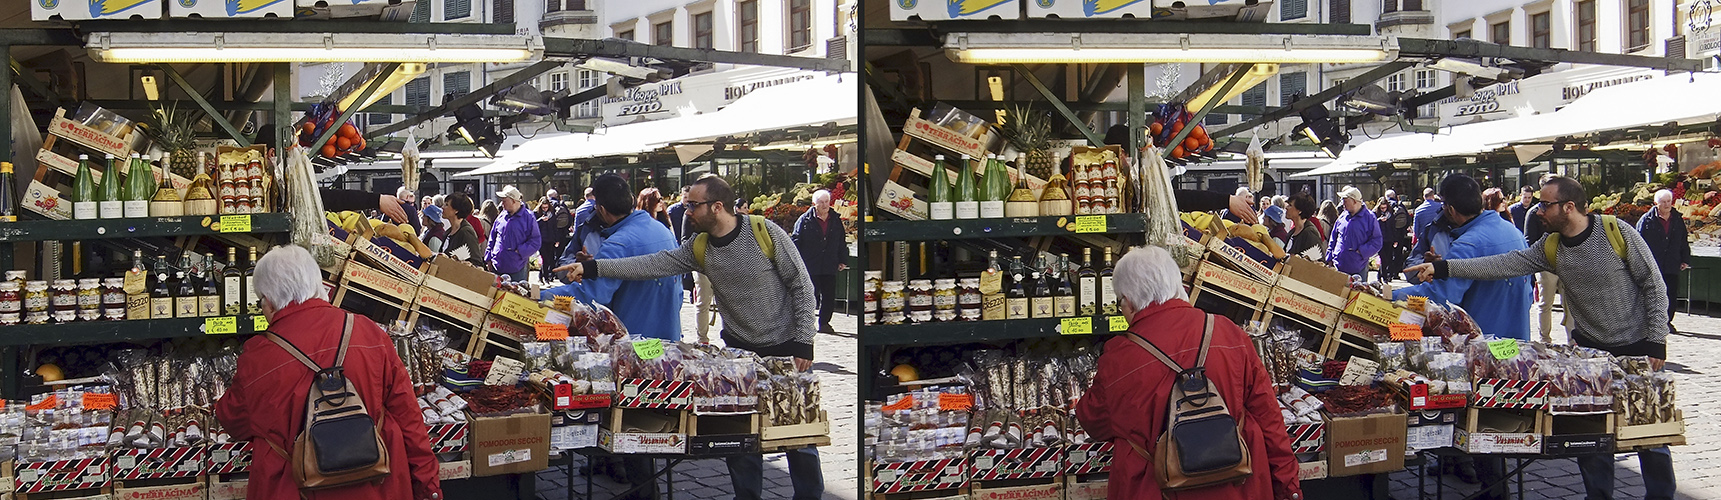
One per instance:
[(826, 328)]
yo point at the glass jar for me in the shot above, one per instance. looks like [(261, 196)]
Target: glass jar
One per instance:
[(893, 318), (944, 315), (892, 298), (9, 319), (944, 295), (36, 297), (113, 294), (90, 295), (869, 306), (11, 298), (920, 301), (969, 297), (65, 296), (17, 277), (874, 280), (37, 318), (89, 314)]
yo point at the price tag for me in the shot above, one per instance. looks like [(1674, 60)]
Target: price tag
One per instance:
[(259, 323), (1077, 326), (955, 401), (564, 303), (1090, 224), (648, 349), (1403, 332), (236, 223), (905, 403), (1118, 323), (552, 331), (1504, 348), (95, 401), (135, 282), (220, 325), (48, 403), (504, 371), (1416, 303), (1359, 371)]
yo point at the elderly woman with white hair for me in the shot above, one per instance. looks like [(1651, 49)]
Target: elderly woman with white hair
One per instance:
[(1129, 398), (265, 403), (823, 242), (1663, 229)]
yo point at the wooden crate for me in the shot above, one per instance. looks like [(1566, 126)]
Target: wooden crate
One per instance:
[(1225, 292), (184, 488), (228, 486), (720, 434), (789, 437), (1638, 437), (88, 476), (391, 299), (1352, 337), (1472, 438)]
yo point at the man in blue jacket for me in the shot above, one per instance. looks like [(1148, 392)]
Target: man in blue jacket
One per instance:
[(648, 308), (1500, 307), (514, 238), (1356, 235)]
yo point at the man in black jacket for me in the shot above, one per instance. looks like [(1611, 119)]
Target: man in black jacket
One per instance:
[(1664, 230), (820, 237)]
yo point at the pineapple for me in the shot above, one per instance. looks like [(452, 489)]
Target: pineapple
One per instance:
[(175, 132), (1031, 133)]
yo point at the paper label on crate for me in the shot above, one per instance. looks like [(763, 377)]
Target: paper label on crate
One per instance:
[(648, 349), (126, 462), (29, 475), (221, 456), (510, 456), (983, 462), (259, 323), (1078, 456), (1076, 326), (97, 401), (1503, 348), (1089, 224), (955, 402), (190, 466), (1117, 323), (1365, 457), (552, 331), (886, 476), (991, 282), (221, 325), (236, 223), (1048, 466), (48, 403), (1404, 332), (504, 371), (905, 403), (1359, 371), (1416, 303), (564, 303)]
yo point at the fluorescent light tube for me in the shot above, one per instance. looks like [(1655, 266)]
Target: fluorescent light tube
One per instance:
[(1005, 48), (140, 48)]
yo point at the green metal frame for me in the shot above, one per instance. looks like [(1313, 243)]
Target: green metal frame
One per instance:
[(351, 110), (582, 47), (1058, 103), (1195, 120), (474, 97), (1422, 47), (197, 97), (1319, 98), (32, 83)]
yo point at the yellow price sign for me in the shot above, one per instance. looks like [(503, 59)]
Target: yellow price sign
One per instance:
[(1090, 224), (564, 303), (220, 325), (648, 349), (236, 223), (1416, 303), (1503, 348), (1083, 325), (1118, 323), (259, 323)]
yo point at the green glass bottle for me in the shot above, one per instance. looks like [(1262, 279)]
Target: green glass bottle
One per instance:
[(996, 186), (942, 203), (967, 200), (139, 188), (112, 200), (85, 206)]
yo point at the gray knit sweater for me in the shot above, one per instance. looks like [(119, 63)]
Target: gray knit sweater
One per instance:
[(1614, 302), (767, 305)]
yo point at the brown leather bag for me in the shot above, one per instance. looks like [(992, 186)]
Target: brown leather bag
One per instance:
[(1201, 445), (340, 444)]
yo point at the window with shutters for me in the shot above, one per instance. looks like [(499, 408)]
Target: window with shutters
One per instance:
[(1501, 32), (800, 24), (381, 118), (552, 5), (420, 13), (1636, 25), (1293, 9), (588, 79), (747, 26), (1425, 79), (1586, 32), (576, 5), (663, 33), (1395, 82), (1255, 97), (1412, 5), (625, 35), (558, 81), (1291, 86), (1541, 30), (1341, 11), (418, 92), (456, 84), (702, 30), (1216, 119), (504, 11), (456, 9), (1388, 6)]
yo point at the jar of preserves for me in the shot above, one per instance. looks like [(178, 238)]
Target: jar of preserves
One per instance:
[(17, 277), (874, 280), (944, 295), (893, 318), (89, 314), (968, 296), (944, 315), (36, 297), (66, 316), (892, 298), (970, 313), (9, 319), (90, 294), (11, 298), (37, 318), (65, 296), (920, 301), (869, 306), (113, 293)]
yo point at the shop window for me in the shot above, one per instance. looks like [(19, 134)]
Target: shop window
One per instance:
[(1291, 86), (504, 10), (663, 33), (1293, 9), (702, 30), (1341, 11), (1586, 26), (418, 92), (1637, 25), (381, 118), (1541, 30), (800, 24), (1501, 32), (558, 81), (456, 9), (747, 26), (456, 84)]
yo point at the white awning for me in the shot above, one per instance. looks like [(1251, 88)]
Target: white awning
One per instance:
[(830, 99)]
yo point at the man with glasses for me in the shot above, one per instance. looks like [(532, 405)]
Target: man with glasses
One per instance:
[(765, 295), (1621, 308)]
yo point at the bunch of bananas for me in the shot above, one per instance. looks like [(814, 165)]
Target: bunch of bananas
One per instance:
[(402, 234), (1255, 234)]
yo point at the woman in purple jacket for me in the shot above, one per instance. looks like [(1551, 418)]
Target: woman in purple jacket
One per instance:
[(1356, 235)]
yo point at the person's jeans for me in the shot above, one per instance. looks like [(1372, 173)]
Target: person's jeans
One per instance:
[(747, 474), (1672, 281), (522, 275), (639, 473), (703, 289), (825, 288), (1657, 467)]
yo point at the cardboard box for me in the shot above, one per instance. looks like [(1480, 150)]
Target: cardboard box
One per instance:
[(519, 310), (924, 475), (1416, 397), (230, 9), (659, 394), (720, 434), (1428, 437), (193, 491), (993, 465), (460, 469), (1512, 394), (511, 444), (1380, 312), (1433, 417), (894, 198), (1088, 458), (1090, 490), (573, 437), (228, 458), (642, 442), (158, 463), (226, 490), (61, 475), (1366, 445), (1316, 281), (1307, 438), (1578, 434), (46, 201), (449, 438), (1309, 471), (1054, 491), (463, 274)]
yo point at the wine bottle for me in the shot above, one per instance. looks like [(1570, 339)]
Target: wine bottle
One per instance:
[(253, 304), (967, 200), (1108, 297), (997, 189), (943, 205), (1054, 199), (1022, 201), (208, 293), (166, 202), (113, 201), (8, 194), (1043, 301), (233, 285), (200, 194), (1016, 299), (161, 291), (85, 206), (1064, 302), (1087, 281), (139, 187), (185, 299)]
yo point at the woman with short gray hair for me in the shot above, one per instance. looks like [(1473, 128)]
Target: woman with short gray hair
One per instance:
[(1128, 400)]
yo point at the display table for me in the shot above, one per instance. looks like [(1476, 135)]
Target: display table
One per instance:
[(1699, 284)]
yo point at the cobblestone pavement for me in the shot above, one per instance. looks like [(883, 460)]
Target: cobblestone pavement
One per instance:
[(709, 479)]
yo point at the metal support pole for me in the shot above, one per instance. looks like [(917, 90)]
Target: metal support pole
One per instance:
[(1190, 127), (1318, 98), (1057, 102), (35, 85), (214, 116), (351, 110), (1137, 82), (283, 113), (476, 96)]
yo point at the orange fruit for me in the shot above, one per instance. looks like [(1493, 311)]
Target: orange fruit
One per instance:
[(342, 143), (308, 127), (1191, 143), (1155, 128), (348, 130), (1177, 152), (328, 151), (1176, 128), (1200, 132), (359, 143)]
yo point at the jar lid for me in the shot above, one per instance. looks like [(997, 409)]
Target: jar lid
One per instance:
[(893, 284), (970, 282), (946, 283), (10, 286), (920, 283), (879, 275), (113, 282), (37, 284), (16, 274), (65, 283), (89, 282)]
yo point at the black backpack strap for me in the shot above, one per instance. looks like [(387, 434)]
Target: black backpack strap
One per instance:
[(347, 335), (1206, 340)]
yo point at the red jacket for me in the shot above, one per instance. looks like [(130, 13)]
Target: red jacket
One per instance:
[(266, 404), (1133, 386)]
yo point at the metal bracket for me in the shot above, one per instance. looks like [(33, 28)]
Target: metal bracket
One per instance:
[(1318, 98), (1211, 103), (214, 116), (387, 69), (1053, 98), (516, 78)]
